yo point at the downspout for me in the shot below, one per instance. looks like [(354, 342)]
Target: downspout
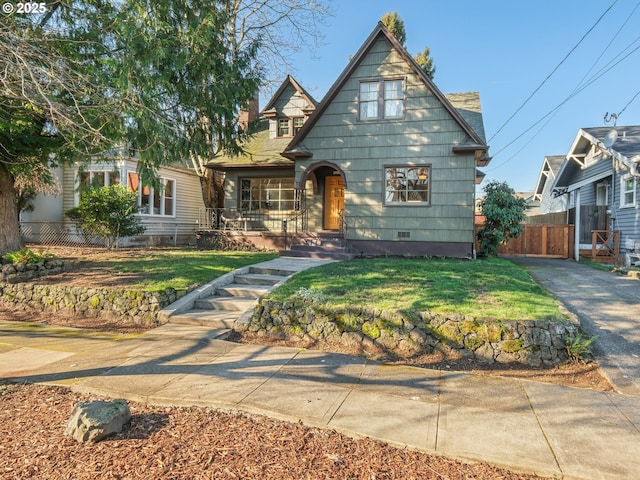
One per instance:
[(576, 239)]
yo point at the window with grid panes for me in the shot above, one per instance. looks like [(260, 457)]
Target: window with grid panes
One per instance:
[(407, 184)]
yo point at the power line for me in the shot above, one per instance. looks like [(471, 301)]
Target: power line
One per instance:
[(553, 111), (554, 70), (629, 103)]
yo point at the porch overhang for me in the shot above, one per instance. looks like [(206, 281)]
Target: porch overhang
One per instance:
[(297, 153)]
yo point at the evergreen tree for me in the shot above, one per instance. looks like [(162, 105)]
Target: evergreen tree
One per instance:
[(395, 25), (504, 214)]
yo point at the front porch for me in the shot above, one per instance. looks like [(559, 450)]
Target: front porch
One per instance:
[(286, 232)]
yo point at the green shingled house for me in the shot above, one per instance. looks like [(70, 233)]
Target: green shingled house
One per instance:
[(385, 162)]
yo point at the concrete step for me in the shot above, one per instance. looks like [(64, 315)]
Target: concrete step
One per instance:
[(258, 279), (319, 248), (216, 320), (233, 304), (272, 271), (324, 254), (243, 290)]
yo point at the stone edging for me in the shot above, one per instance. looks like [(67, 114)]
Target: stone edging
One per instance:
[(409, 334), (137, 306), (21, 272)]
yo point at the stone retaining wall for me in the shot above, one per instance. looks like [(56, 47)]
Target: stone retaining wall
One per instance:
[(22, 272), (136, 306), (409, 334)]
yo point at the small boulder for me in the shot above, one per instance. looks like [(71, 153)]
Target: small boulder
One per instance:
[(93, 421)]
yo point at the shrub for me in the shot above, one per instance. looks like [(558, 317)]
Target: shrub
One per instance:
[(109, 212), (579, 346), (25, 255)]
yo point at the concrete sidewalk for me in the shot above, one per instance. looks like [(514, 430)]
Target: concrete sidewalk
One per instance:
[(522, 425)]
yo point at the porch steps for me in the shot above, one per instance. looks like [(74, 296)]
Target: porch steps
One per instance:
[(325, 245), (229, 302)]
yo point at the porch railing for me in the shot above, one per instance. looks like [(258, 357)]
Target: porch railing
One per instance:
[(236, 219), (605, 244), (342, 228)]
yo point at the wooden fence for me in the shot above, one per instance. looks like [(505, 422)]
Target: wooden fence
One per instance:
[(541, 240)]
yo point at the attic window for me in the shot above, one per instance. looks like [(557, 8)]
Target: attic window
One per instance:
[(283, 127), (381, 99)]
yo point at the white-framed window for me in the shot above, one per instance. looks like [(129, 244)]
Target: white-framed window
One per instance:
[(298, 122), (602, 194), (289, 126), (627, 191), (267, 195), (381, 99), (407, 184), (154, 201), (97, 178), (283, 127)]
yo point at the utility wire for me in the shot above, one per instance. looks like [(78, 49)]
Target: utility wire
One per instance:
[(553, 71), (629, 103), (552, 112)]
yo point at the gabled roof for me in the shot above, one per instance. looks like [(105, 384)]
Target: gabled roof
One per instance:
[(624, 146), (550, 167), (258, 151), (476, 141), (468, 105), (303, 93)]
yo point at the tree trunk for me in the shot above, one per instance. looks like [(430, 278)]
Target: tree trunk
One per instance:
[(212, 190), (10, 239)]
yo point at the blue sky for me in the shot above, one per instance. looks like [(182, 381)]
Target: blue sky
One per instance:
[(505, 50)]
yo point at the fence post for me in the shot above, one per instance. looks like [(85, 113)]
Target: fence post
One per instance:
[(284, 229)]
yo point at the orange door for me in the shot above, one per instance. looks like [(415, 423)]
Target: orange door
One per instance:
[(333, 202)]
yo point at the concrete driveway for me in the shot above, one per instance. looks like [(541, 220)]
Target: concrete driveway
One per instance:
[(607, 304)]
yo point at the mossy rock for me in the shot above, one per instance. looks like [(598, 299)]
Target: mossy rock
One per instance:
[(371, 330), (473, 342), (512, 346)]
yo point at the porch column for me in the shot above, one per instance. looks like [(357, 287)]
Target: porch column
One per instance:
[(576, 239)]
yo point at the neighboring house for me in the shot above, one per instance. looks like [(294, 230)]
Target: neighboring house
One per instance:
[(547, 202), (599, 179), (169, 214), (260, 181), (385, 160)]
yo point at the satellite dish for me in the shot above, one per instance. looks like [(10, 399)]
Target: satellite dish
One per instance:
[(610, 138)]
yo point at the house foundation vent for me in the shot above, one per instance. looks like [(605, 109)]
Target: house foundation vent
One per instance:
[(404, 234)]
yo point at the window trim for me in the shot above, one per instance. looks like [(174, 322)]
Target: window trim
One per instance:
[(259, 200), (624, 191), (162, 200), (381, 98), (407, 203), (600, 186)]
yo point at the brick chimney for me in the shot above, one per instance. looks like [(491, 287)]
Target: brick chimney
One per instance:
[(249, 114)]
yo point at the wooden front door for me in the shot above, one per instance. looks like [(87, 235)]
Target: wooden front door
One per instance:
[(333, 201)]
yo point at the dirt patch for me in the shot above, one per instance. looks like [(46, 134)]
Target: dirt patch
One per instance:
[(199, 443), (91, 266)]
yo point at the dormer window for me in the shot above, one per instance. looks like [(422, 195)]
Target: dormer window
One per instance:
[(288, 127), (297, 124), (283, 127)]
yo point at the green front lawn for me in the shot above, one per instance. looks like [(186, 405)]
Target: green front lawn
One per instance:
[(492, 288), (182, 268)]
